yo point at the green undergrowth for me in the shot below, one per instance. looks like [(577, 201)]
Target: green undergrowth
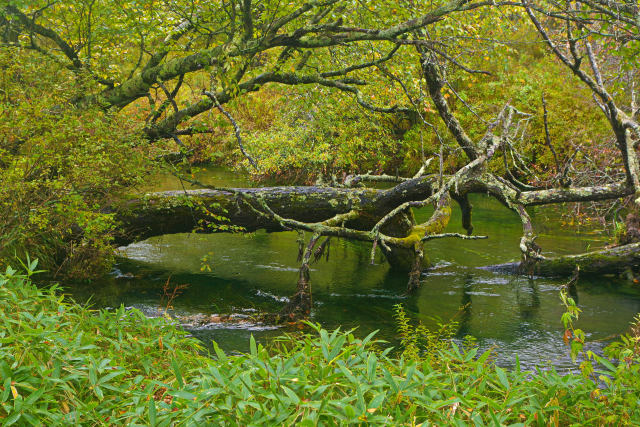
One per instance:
[(64, 364)]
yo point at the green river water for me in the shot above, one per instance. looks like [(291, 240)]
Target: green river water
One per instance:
[(257, 272)]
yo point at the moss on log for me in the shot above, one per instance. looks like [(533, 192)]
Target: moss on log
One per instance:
[(185, 211)]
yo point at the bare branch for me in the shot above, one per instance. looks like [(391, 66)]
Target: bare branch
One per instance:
[(236, 128), (456, 235), (547, 135), (432, 74)]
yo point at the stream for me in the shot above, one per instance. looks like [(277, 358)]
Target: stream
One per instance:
[(244, 274)]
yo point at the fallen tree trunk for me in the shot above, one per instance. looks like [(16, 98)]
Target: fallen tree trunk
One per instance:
[(383, 218), (615, 260), (211, 211), (173, 212), (183, 211)]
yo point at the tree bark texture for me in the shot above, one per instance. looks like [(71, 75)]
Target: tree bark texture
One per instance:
[(172, 212)]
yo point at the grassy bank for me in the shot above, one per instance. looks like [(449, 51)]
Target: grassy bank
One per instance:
[(61, 363)]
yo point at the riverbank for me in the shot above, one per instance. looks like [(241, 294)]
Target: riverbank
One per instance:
[(62, 363)]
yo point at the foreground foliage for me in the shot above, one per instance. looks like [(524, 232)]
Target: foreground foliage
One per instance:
[(61, 363)]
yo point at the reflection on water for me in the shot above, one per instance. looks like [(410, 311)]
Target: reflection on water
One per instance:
[(257, 272)]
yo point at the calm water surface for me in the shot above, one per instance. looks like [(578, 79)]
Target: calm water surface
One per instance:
[(257, 272)]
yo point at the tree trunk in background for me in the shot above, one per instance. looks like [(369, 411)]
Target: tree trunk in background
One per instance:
[(616, 260)]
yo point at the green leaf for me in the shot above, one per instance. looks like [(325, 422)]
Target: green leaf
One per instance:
[(104, 379), (291, 394), (152, 412), (176, 371), (252, 346), (606, 363), (184, 395), (502, 376), (12, 419)]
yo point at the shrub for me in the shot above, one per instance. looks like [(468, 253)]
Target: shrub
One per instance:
[(60, 166)]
